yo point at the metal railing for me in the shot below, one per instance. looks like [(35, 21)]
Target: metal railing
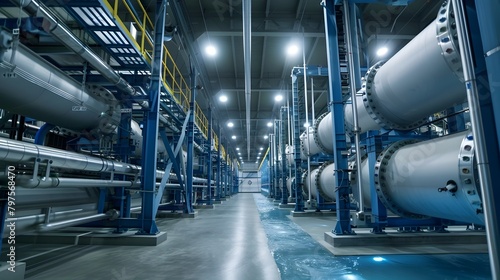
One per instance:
[(172, 79)]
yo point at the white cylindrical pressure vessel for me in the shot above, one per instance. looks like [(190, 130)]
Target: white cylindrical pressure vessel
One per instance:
[(310, 180), (325, 180), (423, 78), (309, 147), (416, 180)]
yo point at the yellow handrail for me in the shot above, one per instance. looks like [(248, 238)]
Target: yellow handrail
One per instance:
[(172, 79)]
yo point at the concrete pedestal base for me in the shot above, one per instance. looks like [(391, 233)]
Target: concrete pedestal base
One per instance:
[(308, 213), (129, 238)]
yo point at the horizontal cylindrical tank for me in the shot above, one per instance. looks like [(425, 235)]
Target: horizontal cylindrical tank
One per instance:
[(307, 180), (325, 181), (33, 87), (396, 93), (435, 178), (308, 145)]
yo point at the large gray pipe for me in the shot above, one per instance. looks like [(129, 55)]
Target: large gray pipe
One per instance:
[(435, 178), (12, 151), (423, 78), (33, 87), (325, 181)]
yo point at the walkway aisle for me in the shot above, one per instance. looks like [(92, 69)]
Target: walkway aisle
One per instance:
[(227, 242)]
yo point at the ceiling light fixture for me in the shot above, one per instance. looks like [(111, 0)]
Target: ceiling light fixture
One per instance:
[(211, 50), (237, 149), (261, 148), (278, 98), (292, 50), (230, 124), (233, 137), (269, 124), (382, 51), (265, 136), (223, 98)]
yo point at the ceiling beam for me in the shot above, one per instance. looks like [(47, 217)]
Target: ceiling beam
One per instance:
[(262, 34)]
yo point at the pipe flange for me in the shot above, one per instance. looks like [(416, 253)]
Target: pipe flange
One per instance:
[(447, 37), (305, 189), (316, 135), (352, 166), (468, 173), (371, 106), (323, 194), (381, 183)]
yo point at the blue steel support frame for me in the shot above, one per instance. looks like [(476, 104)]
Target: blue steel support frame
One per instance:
[(271, 193), (277, 174), (190, 146), (488, 51), (217, 181), (209, 158), (224, 177), (379, 212), (299, 201), (150, 130), (282, 137), (336, 106), (121, 198)]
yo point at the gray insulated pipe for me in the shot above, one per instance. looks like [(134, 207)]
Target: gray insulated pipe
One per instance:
[(436, 178), (33, 87), (423, 78)]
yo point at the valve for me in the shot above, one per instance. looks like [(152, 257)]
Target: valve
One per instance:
[(451, 187)]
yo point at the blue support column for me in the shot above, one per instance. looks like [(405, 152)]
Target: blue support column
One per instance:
[(209, 158), (488, 50), (121, 198), (217, 181), (299, 200), (190, 146), (150, 130), (271, 193), (230, 178), (276, 164), (282, 137), (336, 106), (224, 176), (379, 212)]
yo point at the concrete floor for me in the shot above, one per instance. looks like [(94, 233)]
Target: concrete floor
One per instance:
[(227, 242), (247, 237)]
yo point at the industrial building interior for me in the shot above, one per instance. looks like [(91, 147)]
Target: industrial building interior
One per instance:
[(235, 139)]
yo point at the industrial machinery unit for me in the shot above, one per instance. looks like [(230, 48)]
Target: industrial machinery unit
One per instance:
[(109, 137), (383, 153), (98, 152)]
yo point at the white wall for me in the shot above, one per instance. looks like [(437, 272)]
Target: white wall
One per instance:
[(249, 181)]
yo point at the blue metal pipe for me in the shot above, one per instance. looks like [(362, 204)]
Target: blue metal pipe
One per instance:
[(42, 133)]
